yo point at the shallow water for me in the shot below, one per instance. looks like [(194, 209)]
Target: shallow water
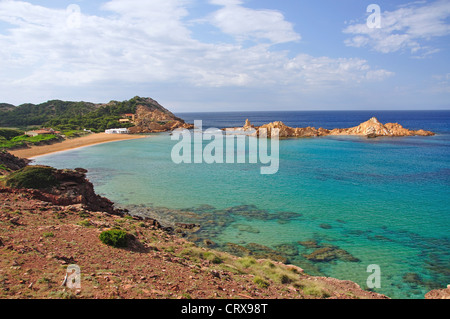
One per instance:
[(383, 201)]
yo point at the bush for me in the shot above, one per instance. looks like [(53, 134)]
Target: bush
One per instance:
[(115, 238), (10, 133), (35, 177), (260, 282)]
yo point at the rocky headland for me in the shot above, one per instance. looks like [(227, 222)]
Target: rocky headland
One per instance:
[(372, 128), (151, 117)]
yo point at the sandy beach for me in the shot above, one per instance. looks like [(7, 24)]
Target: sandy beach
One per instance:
[(70, 144)]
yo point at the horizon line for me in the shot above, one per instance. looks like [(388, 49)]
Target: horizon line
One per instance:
[(253, 111)]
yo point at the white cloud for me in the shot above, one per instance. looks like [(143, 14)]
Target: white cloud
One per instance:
[(248, 24), (149, 44), (441, 83), (321, 72), (407, 28)]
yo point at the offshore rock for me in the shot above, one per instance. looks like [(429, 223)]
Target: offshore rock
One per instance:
[(371, 129)]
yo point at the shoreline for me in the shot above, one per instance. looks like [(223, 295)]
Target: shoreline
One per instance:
[(71, 144)]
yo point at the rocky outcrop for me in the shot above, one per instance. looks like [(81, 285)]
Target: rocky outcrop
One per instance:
[(151, 117), (439, 294), (72, 188), (374, 128), (371, 128), (9, 162)]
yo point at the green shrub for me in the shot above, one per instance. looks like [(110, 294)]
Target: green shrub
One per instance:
[(213, 258), (247, 262), (115, 238), (260, 282), (315, 292), (48, 235), (84, 223), (35, 177), (285, 279), (8, 134)]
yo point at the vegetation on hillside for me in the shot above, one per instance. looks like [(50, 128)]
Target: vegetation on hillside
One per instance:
[(35, 177), (64, 116), (12, 138)]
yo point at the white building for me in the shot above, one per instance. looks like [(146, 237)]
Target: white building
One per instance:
[(117, 131)]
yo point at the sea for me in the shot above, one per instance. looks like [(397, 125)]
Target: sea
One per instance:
[(336, 206)]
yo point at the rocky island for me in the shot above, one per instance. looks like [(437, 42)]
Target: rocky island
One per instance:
[(371, 129)]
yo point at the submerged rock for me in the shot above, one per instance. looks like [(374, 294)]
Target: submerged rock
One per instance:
[(287, 249), (309, 244), (247, 228), (286, 216), (237, 250), (412, 279), (250, 212), (263, 252), (327, 254)]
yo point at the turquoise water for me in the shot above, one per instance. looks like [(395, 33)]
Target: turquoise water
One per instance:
[(384, 201)]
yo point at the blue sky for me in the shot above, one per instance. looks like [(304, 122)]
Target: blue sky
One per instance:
[(228, 55)]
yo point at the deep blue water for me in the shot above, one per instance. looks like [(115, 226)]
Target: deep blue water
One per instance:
[(437, 121), (385, 201)]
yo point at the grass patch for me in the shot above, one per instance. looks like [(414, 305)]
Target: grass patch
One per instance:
[(247, 262), (261, 282), (3, 167), (197, 254), (84, 223), (35, 177), (23, 140)]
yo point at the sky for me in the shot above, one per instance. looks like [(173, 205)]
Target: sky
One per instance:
[(228, 55)]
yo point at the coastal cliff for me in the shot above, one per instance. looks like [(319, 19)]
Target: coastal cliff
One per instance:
[(371, 128), (57, 187), (151, 117)]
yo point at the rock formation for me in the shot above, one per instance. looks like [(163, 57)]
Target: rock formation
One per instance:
[(74, 188), (371, 128), (151, 117), (439, 294), (11, 162), (71, 187)]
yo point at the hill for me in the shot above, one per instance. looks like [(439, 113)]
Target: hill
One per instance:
[(67, 115)]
